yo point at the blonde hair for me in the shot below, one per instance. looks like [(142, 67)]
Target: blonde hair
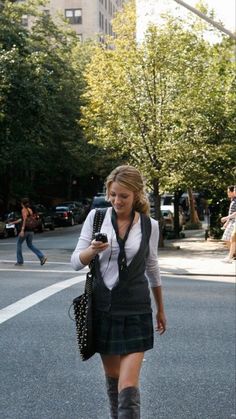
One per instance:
[(130, 178)]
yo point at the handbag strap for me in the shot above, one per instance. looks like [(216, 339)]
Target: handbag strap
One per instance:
[(28, 213), (97, 223)]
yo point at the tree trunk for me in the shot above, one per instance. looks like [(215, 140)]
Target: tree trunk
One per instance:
[(193, 213), (157, 207), (177, 195), (6, 189), (69, 189)]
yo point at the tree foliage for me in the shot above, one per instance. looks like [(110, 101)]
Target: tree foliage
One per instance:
[(41, 82), (166, 105)]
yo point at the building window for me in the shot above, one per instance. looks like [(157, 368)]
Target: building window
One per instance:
[(74, 16), (101, 21), (24, 20), (110, 7)]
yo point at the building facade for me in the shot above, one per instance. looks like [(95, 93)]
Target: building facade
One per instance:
[(89, 18)]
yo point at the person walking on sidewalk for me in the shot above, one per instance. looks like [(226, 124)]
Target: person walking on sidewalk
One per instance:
[(27, 234), (122, 306), (232, 248), (229, 221)]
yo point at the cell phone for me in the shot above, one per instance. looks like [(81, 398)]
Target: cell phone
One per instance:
[(101, 237)]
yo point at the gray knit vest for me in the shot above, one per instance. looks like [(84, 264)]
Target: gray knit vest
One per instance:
[(131, 294)]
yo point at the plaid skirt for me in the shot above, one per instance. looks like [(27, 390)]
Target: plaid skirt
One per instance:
[(120, 335), (228, 231)]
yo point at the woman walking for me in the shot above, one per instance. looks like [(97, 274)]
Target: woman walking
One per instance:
[(27, 234), (229, 221), (124, 266)]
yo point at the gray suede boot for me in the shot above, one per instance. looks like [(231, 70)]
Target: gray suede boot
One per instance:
[(129, 403), (112, 391)]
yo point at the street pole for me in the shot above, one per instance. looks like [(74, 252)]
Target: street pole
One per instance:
[(207, 19)]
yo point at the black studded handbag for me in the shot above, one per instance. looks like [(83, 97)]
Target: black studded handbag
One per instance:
[(83, 310)]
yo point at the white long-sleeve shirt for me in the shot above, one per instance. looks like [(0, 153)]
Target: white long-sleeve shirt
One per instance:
[(109, 257)]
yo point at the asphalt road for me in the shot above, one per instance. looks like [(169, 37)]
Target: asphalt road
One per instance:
[(190, 373)]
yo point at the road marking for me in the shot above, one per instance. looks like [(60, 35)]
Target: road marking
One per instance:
[(36, 270), (27, 302), (200, 277), (35, 262)]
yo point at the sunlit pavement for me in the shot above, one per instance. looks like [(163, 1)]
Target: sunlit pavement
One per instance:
[(195, 256)]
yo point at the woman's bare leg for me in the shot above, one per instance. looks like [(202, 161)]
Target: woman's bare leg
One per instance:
[(111, 365), (232, 249), (130, 366)]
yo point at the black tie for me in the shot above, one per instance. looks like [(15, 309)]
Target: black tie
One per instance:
[(122, 261)]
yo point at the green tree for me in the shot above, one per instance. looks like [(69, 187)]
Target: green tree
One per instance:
[(42, 144), (160, 104)]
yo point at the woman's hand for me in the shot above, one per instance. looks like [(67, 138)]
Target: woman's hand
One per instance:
[(88, 254), (98, 246), (161, 322), (224, 219), (22, 233)]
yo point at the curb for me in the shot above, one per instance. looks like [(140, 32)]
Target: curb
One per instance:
[(169, 248), (197, 274)]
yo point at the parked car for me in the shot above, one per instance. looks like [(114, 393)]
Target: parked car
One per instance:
[(78, 209), (100, 201), (168, 218), (66, 215), (6, 229), (3, 230), (12, 229), (44, 216), (167, 201), (86, 203)]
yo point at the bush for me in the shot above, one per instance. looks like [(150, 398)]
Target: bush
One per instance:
[(192, 226), (215, 232)]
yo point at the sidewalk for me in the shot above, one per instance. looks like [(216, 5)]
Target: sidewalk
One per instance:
[(195, 256)]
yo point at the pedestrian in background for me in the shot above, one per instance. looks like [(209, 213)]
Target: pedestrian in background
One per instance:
[(123, 324), (26, 234), (229, 221)]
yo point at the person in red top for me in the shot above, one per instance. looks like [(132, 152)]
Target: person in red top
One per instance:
[(27, 234)]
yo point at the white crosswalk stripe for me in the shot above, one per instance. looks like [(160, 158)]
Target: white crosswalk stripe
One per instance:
[(27, 302)]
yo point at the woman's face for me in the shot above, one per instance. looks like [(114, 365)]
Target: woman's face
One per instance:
[(230, 194), (121, 199)]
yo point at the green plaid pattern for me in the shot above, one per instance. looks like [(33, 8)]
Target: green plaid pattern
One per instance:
[(120, 335)]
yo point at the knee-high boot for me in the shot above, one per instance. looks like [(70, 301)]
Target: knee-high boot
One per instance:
[(112, 391), (129, 403)]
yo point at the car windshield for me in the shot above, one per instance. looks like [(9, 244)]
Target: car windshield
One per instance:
[(167, 200), (11, 215), (71, 204), (166, 213), (100, 202), (62, 208)]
